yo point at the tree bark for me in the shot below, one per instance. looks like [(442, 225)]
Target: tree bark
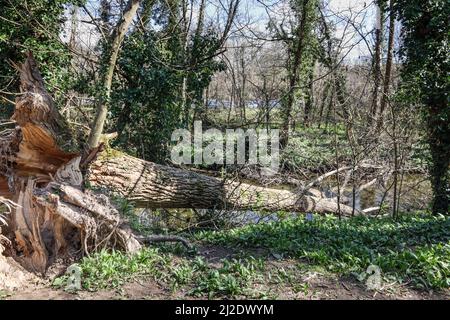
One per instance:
[(377, 59), (294, 73), (389, 60), (156, 186), (102, 107), (309, 103)]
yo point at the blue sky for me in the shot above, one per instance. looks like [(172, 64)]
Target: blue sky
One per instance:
[(253, 13), (362, 13)]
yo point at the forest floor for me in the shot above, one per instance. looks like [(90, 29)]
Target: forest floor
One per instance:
[(290, 259), (310, 286)]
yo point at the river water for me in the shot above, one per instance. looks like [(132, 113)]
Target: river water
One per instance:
[(415, 194)]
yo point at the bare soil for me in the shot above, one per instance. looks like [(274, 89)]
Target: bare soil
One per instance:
[(309, 285), (318, 288)]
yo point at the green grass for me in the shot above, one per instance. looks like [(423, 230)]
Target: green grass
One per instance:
[(233, 278), (111, 269), (415, 248)]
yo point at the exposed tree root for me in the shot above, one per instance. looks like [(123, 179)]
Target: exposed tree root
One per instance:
[(13, 276), (41, 162)]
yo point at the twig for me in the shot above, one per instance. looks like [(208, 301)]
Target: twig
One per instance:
[(163, 238)]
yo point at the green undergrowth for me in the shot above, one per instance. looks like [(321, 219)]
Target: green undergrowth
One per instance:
[(413, 248), (311, 148), (192, 274)]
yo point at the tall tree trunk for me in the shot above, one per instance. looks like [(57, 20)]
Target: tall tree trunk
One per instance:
[(200, 108), (73, 27), (242, 92), (186, 100), (294, 74), (113, 52), (340, 85), (377, 60), (388, 71), (309, 98), (331, 102), (439, 142), (325, 93)]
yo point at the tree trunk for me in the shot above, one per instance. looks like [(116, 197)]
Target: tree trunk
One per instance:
[(439, 142), (389, 60), (102, 107), (156, 186), (73, 27), (309, 103), (377, 59), (294, 74)]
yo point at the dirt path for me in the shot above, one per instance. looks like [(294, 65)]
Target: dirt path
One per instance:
[(305, 284), (318, 287)]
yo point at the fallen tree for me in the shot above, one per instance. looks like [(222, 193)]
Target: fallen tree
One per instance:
[(156, 186), (44, 168)]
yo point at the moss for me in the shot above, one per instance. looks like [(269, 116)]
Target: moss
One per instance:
[(110, 153)]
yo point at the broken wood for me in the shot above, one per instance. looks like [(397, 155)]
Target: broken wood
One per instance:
[(41, 173)]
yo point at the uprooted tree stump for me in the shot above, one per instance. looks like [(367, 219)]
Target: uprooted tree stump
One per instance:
[(44, 168), (41, 174)]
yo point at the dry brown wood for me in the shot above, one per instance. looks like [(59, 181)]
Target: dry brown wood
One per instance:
[(42, 175)]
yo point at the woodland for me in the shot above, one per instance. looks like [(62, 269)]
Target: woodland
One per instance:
[(92, 204)]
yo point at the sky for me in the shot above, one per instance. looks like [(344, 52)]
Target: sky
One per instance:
[(339, 12), (253, 14), (254, 17)]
